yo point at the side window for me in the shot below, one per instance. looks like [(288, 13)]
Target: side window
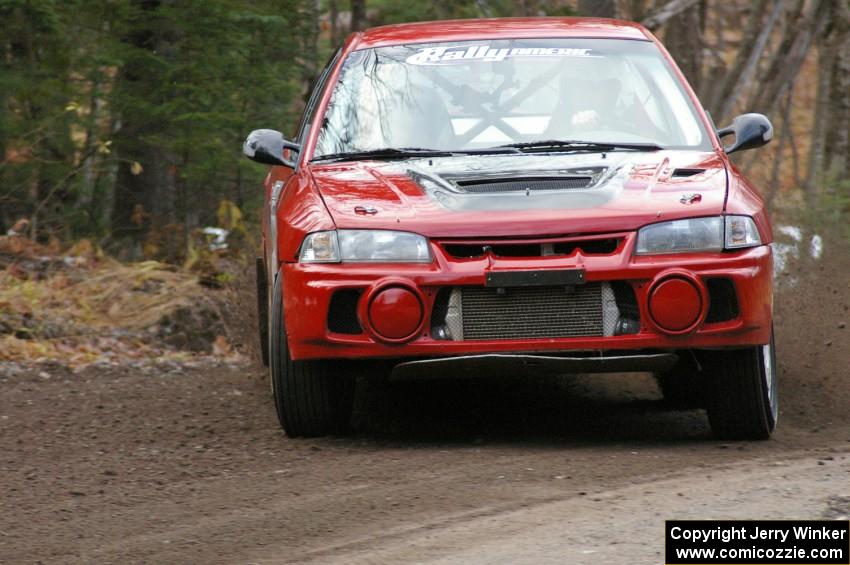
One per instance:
[(313, 102)]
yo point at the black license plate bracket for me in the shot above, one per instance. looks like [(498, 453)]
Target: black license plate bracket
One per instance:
[(560, 277)]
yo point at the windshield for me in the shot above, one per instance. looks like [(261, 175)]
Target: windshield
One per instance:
[(479, 94)]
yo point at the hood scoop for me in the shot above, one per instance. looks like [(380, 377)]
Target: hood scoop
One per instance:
[(683, 173), (523, 184), (521, 190), (556, 180)]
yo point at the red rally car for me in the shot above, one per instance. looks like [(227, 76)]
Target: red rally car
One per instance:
[(537, 195)]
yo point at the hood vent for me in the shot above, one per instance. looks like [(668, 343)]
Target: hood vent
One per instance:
[(528, 184)]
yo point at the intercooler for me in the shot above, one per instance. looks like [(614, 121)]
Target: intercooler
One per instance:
[(486, 313)]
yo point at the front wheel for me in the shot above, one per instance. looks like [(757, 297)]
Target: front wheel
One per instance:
[(742, 393), (312, 398)]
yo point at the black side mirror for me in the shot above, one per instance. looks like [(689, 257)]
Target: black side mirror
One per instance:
[(751, 131), (268, 146)]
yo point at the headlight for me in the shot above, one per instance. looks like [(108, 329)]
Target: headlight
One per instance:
[(365, 246), (678, 236), (698, 234)]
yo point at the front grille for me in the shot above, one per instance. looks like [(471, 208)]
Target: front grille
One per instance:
[(543, 312), (588, 247), (603, 246), (513, 184)]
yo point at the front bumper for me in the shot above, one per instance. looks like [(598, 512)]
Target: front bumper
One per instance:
[(308, 289)]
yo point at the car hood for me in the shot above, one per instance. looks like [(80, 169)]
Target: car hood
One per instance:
[(434, 197)]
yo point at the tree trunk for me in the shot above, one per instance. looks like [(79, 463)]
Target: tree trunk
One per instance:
[(784, 137), (35, 195), (334, 19), (310, 47), (666, 12), (837, 146), (683, 39), (529, 8), (832, 104), (638, 9), (145, 185), (826, 60), (91, 155), (598, 8), (358, 14)]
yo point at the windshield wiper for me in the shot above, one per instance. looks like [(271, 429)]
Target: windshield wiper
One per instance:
[(384, 153), (500, 150), (575, 145), (412, 152)]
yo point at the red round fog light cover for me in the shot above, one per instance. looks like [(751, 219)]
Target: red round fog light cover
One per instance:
[(675, 304), (395, 313)]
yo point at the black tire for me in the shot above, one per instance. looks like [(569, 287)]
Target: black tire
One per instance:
[(312, 398), (263, 310), (742, 396), (683, 385)]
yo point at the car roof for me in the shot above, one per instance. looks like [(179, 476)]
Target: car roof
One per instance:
[(498, 28)]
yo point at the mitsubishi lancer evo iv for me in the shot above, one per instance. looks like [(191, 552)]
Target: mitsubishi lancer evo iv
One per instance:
[(525, 196)]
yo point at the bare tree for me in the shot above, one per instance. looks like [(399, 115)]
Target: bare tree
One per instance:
[(800, 34), (722, 96), (832, 34), (669, 10)]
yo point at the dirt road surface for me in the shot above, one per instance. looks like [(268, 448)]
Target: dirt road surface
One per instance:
[(186, 463)]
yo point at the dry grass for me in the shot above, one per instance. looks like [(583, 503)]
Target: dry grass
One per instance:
[(110, 295), (80, 309)]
